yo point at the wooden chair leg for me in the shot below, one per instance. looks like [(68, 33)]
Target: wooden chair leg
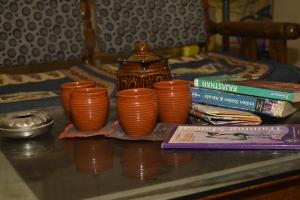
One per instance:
[(278, 50), (88, 31), (248, 47)]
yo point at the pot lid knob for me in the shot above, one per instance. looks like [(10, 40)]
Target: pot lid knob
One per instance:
[(142, 53), (142, 48)]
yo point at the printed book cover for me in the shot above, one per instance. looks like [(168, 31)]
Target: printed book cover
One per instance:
[(261, 105), (268, 89), (223, 116), (283, 136)]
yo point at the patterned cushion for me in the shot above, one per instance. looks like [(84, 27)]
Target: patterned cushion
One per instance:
[(163, 24), (37, 31)]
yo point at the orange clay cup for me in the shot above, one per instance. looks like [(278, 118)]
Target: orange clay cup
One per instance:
[(137, 110), (67, 88), (174, 101), (89, 108)]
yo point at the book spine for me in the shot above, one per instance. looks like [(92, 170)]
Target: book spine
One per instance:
[(242, 89), (242, 102)]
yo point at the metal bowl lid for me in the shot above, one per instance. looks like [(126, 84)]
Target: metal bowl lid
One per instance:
[(25, 123)]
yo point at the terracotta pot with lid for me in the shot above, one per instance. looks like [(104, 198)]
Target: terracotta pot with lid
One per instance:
[(142, 69)]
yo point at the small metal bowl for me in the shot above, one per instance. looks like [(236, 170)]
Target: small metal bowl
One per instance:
[(25, 124)]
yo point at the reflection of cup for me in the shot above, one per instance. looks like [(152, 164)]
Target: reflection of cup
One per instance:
[(174, 101), (93, 156), (137, 110), (67, 88), (141, 160), (176, 159), (89, 108)]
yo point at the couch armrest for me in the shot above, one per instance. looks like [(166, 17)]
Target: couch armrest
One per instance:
[(270, 30)]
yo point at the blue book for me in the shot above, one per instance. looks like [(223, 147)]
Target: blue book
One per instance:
[(259, 88), (272, 107)]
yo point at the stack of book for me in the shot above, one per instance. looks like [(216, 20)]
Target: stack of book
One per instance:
[(238, 104), (256, 96)]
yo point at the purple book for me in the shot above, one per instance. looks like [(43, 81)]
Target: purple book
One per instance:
[(283, 136)]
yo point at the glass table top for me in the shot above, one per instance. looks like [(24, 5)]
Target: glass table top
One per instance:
[(107, 168)]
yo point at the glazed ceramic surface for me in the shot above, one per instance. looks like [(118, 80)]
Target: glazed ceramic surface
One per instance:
[(174, 100), (137, 110), (89, 108), (142, 69), (68, 87)]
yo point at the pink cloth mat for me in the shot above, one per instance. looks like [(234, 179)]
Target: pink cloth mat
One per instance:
[(114, 130)]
